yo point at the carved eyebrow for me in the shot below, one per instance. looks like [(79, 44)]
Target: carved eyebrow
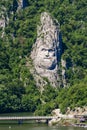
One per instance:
[(43, 49), (51, 50)]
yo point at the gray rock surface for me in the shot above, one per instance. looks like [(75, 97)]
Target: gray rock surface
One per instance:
[(2, 25), (2, 20), (63, 64), (22, 4), (46, 51)]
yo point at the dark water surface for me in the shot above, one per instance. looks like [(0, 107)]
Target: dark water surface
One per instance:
[(36, 127)]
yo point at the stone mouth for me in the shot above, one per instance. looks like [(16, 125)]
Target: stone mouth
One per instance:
[(47, 58)]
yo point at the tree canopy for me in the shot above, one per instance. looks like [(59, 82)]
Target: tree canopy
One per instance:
[(18, 90)]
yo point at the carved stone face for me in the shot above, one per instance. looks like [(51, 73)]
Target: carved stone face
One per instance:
[(45, 50), (46, 57)]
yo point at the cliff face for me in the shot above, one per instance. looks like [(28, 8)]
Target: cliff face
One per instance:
[(22, 3), (46, 51)]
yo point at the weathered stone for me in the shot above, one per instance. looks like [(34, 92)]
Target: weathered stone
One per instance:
[(22, 3), (2, 25), (63, 64), (47, 49)]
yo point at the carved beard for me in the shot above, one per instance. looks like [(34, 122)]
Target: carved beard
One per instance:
[(46, 58)]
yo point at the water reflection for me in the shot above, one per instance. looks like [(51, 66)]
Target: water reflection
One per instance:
[(35, 127)]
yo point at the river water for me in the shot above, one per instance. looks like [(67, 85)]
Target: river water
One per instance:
[(13, 125), (36, 127)]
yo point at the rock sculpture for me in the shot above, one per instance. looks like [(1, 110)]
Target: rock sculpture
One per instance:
[(47, 49)]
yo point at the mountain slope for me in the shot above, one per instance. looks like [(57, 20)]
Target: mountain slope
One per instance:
[(16, 40)]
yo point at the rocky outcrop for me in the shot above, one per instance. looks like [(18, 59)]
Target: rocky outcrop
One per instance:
[(22, 3), (77, 111), (68, 119), (2, 25), (19, 4), (2, 21), (61, 119), (63, 64), (46, 51), (70, 113)]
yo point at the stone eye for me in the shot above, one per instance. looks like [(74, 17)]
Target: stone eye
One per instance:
[(43, 49), (50, 50)]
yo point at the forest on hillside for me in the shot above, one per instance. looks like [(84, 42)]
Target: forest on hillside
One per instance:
[(18, 91)]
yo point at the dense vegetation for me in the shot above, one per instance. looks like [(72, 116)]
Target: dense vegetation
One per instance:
[(18, 91)]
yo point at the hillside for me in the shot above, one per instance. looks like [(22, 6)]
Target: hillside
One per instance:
[(18, 33)]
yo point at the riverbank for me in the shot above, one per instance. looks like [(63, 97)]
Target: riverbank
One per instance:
[(70, 118), (67, 122)]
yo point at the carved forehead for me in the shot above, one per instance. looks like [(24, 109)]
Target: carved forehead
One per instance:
[(46, 47)]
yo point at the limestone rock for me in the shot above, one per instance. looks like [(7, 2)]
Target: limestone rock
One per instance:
[(54, 121), (22, 3), (77, 111), (63, 64), (2, 25), (2, 21), (57, 113), (46, 51)]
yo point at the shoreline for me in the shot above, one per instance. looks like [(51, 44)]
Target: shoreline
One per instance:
[(67, 122)]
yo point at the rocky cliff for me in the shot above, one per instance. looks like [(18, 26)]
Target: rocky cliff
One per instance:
[(46, 51), (22, 3)]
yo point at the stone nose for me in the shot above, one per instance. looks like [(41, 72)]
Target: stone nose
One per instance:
[(47, 54)]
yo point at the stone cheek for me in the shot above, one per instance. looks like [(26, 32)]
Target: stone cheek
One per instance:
[(45, 50)]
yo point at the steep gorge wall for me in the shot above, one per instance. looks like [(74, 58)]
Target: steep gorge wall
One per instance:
[(46, 54)]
